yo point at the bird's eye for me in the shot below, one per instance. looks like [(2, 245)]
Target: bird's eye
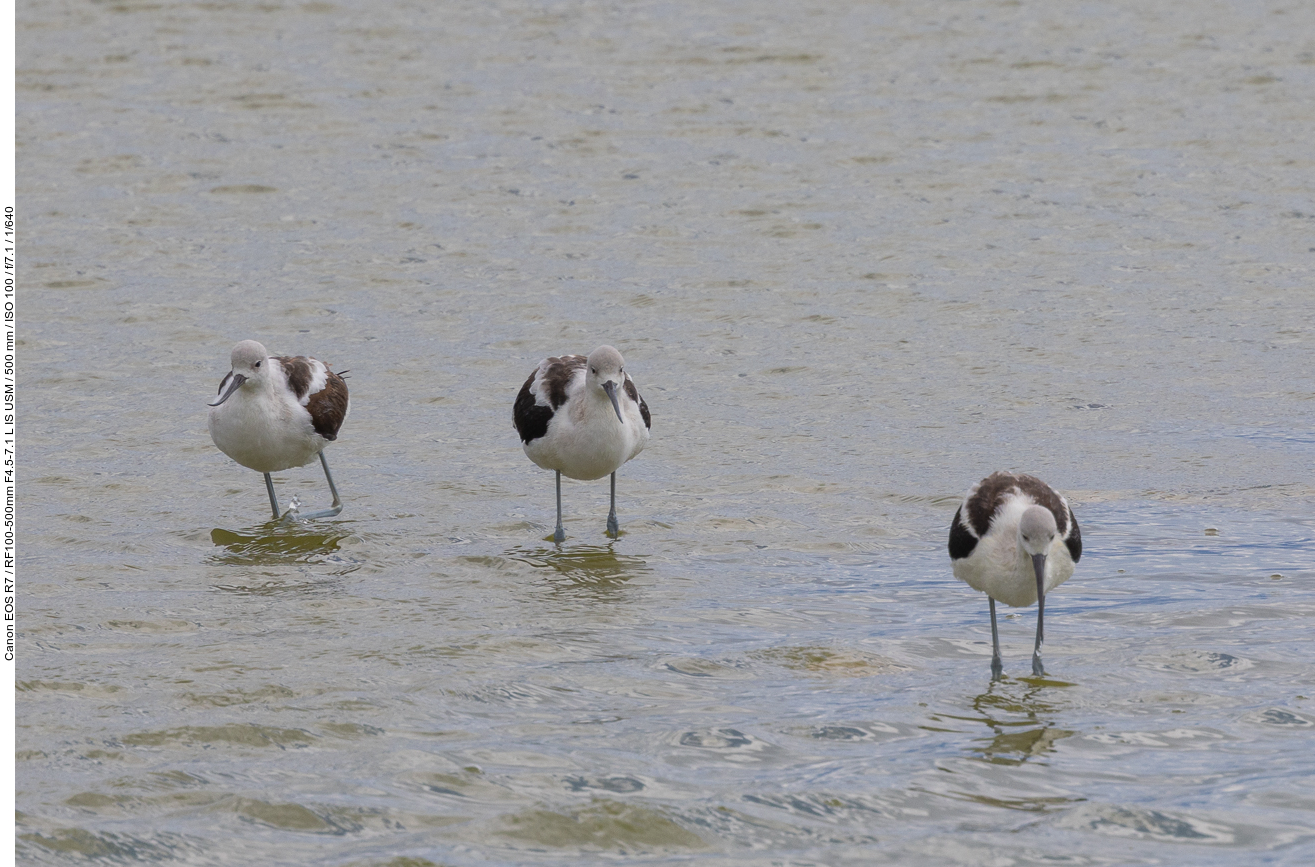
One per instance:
[(594, 370), (258, 363)]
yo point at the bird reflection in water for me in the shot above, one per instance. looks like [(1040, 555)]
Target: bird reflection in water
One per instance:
[(1020, 717), (594, 568), (273, 544)]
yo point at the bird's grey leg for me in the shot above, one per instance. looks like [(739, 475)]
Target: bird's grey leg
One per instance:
[(337, 501), (334, 509), (1037, 668), (273, 499), (613, 528), (997, 667), (559, 535)]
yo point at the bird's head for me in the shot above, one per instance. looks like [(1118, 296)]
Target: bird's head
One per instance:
[(604, 370), (250, 365), (1036, 532)]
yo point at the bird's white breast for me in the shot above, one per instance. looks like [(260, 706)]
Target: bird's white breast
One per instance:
[(585, 440), (265, 429), (999, 567)]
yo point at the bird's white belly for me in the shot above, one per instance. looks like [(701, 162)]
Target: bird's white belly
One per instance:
[(265, 436), (586, 451), (999, 568)]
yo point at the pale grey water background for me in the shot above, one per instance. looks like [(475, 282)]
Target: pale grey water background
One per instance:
[(857, 255)]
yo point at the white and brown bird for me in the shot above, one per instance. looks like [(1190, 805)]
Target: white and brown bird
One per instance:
[(278, 412), (1015, 539), (582, 417)]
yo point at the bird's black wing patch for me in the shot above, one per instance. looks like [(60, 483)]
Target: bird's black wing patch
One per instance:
[(962, 541), (633, 394), (989, 494), (558, 376), (298, 371), (531, 419), (328, 406), (1073, 541)]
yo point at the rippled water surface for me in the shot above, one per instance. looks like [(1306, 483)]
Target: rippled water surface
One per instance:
[(857, 256)]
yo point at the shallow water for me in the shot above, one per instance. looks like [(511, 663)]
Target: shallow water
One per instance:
[(857, 256)]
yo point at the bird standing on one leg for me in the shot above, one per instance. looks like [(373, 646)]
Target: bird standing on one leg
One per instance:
[(278, 412), (1015, 539), (582, 417)]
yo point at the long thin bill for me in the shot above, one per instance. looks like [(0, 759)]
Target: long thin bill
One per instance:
[(610, 388), (233, 385)]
